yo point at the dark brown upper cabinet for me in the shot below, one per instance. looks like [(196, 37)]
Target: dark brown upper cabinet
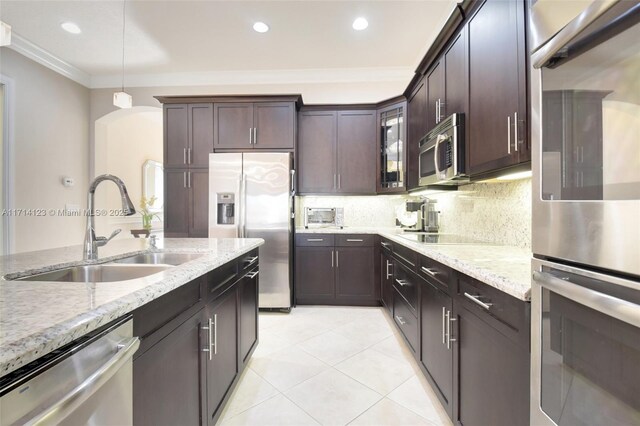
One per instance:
[(336, 152), (456, 76), (416, 129), (392, 154), (435, 94), (188, 134), (497, 87), (256, 125), (187, 215)]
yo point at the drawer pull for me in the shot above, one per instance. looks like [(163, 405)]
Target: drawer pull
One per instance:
[(430, 271), (252, 275), (389, 265), (476, 299), (405, 259), (315, 240), (385, 245), (444, 322), (400, 320), (402, 282), (354, 240), (250, 260)]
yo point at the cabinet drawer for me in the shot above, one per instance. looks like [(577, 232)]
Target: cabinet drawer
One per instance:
[(386, 245), (248, 261), (406, 255), (434, 272), (499, 308), (221, 278), (354, 240), (406, 284), (406, 321), (314, 240)]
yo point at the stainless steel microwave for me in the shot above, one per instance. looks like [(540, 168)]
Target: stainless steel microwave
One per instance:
[(441, 160)]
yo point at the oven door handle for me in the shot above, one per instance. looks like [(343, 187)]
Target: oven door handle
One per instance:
[(69, 402), (608, 305), (439, 139)]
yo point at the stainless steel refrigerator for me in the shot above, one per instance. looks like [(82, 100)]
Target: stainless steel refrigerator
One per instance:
[(251, 196)]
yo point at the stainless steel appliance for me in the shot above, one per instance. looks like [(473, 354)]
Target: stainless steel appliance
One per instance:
[(585, 297), (88, 382), (430, 216), (260, 186), (441, 160), (411, 217), (315, 217)]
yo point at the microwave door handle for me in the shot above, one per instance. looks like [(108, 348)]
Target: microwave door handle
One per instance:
[(435, 156), (608, 305)]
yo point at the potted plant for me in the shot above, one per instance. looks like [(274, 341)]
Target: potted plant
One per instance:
[(147, 215)]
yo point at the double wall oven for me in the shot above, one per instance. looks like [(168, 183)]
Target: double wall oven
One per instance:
[(585, 91)]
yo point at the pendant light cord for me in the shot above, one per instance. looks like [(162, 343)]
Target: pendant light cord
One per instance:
[(124, 5)]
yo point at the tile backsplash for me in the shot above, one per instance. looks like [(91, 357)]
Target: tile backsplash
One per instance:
[(497, 212)]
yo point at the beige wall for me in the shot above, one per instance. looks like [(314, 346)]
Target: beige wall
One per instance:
[(51, 129)]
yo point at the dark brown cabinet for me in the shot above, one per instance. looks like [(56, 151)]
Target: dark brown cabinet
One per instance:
[(336, 152), (435, 95), (171, 369), (335, 270), (258, 125), (187, 213), (386, 279), (416, 129), (248, 314), (456, 76), (436, 346), (222, 367), (497, 87), (392, 151), (188, 134)]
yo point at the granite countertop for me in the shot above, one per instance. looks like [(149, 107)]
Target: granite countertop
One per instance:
[(506, 268), (39, 317), (346, 230)]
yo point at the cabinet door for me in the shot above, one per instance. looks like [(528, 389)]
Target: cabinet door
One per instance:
[(436, 95), (456, 77), (315, 278), (386, 280), (317, 152), (355, 274), (274, 124), (392, 130), (416, 129), (356, 152), (233, 126), (496, 62), (172, 370), (248, 314), (200, 134), (492, 377), (176, 135), (176, 209), (436, 358), (199, 203), (222, 365)]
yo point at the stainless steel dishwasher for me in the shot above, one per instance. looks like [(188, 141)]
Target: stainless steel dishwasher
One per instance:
[(87, 382)]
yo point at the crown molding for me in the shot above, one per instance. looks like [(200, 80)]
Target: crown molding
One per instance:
[(229, 78), (44, 57)]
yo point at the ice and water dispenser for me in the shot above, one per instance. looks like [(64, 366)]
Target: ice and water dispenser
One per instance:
[(226, 208)]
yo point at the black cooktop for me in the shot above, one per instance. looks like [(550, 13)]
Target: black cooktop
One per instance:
[(431, 238)]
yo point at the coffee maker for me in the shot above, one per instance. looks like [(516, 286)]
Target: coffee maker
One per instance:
[(411, 218)]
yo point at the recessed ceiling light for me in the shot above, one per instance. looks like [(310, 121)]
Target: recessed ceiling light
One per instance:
[(360, 24), (261, 27), (70, 27)]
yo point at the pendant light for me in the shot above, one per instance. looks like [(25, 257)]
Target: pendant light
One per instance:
[(122, 99)]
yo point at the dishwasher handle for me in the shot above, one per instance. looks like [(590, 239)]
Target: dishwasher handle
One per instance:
[(72, 400)]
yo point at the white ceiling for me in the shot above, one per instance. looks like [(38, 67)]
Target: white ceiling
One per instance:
[(169, 40)]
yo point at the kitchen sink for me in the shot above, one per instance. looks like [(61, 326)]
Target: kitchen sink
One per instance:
[(159, 258), (97, 273)]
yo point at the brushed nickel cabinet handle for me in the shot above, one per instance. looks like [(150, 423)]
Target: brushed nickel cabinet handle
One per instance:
[(402, 282), (515, 131), (508, 134), (315, 240), (337, 258), (389, 264), (215, 335), (449, 338), (429, 271), (401, 320), (444, 340), (250, 136), (354, 240), (209, 329), (255, 136), (475, 299), (184, 155)]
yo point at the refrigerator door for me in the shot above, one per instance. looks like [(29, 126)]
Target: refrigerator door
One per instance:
[(225, 173), (268, 216)]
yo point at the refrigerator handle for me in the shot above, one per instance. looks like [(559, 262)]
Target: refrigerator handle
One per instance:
[(243, 200), (293, 182), (238, 211)]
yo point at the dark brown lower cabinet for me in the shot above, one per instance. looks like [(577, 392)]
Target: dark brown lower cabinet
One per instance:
[(315, 280), (222, 364), (386, 280), (355, 275), (168, 379), (248, 314), (186, 213), (437, 348), (492, 373)]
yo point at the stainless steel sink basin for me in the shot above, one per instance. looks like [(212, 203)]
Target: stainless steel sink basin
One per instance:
[(97, 273), (160, 258)]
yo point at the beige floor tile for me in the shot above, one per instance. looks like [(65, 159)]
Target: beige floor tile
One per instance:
[(413, 395), (388, 413), (394, 346), (331, 347), (250, 391), (380, 372), (276, 411), (366, 331), (287, 368), (270, 343), (333, 398)]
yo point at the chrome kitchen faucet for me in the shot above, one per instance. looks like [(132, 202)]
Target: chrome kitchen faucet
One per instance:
[(91, 242)]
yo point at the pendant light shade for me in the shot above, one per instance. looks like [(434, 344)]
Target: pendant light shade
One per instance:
[(122, 99)]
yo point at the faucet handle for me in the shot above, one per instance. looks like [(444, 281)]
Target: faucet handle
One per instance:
[(100, 241)]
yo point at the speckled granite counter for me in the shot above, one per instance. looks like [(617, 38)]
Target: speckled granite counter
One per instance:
[(345, 230), (39, 317), (506, 268)]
